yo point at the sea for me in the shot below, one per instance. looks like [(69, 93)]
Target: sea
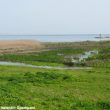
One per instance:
[(56, 38)]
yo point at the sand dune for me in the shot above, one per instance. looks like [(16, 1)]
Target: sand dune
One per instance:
[(10, 46)]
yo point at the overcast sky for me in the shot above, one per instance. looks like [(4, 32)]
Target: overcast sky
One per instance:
[(54, 16)]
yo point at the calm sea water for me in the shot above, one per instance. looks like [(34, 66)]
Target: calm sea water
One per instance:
[(54, 38)]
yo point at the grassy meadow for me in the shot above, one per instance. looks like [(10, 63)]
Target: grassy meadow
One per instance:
[(87, 89), (55, 89)]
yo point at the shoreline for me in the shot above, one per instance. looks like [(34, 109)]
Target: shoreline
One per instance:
[(55, 38), (35, 40)]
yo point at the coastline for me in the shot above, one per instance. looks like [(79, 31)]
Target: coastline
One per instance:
[(55, 38)]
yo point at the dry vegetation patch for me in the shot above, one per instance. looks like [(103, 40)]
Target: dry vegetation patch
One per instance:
[(17, 46)]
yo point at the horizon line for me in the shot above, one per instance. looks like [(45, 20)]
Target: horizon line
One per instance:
[(45, 34)]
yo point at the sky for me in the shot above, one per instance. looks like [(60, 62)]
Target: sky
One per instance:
[(54, 16)]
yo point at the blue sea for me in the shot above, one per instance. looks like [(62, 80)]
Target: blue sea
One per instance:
[(54, 38)]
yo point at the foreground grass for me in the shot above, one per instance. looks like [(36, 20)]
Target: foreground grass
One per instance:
[(55, 89)]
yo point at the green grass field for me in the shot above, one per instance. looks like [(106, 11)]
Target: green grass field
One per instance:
[(87, 89), (55, 89)]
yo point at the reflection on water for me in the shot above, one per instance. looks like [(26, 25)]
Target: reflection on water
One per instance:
[(45, 67)]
